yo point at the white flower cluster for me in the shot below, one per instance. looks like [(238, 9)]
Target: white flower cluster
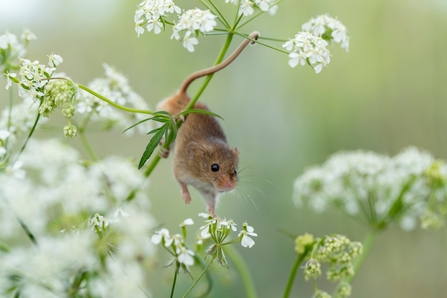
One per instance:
[(378, 188), (115, 87), (55, 202), (305, 49), (215, 227), (309, 46), (11, 48), (246, 7), (193, 21), (34, 76), (150, 13), (336, 250), (329, 29), (177, 243)]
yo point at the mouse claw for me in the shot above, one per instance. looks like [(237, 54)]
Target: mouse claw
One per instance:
[(181, 118), (164, 152)]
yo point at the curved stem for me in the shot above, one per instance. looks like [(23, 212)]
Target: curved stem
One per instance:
[(262, 43), (175, 280), (368, 243), (29, 136), (244, 273), (11, 99), (208, 78), (200, 276), (126, 109), (220, 14), (84, 138), (292, 275)]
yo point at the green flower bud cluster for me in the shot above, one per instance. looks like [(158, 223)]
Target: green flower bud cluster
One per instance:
[(321, 294), (70, 131), (312, 269), (58, 94), (335, 250)]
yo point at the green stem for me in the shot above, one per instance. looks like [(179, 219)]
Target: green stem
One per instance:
[(222, 20), (208, 277), (175, 280), (220, 14), (123, 108), (87, 146), (244, 273), (368, 243), (262, 43), (208, 78), (84, 138), (200, 276), (11, 99), (29, 136), (292, 274)]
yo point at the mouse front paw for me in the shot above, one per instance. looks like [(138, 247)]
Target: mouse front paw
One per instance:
[(164, 152)]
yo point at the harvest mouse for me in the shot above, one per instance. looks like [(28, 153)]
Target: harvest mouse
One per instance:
[(202, 156)]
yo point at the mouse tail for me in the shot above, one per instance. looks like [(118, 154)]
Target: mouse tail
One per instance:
[(201, 73)]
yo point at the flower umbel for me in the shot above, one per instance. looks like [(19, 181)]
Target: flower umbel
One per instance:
[(329, 29), (306, 48)]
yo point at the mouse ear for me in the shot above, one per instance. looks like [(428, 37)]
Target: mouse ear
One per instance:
[(236, 150), (195, 149)]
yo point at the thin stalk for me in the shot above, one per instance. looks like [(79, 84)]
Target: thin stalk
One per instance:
[(257, 15), (11, 99), (123, 108), (87, 146), (175, 280), (200, 276), (220, 14), (368, 243), (244, 273), (272, 39), (84, 138), (223, 21), (208, 278), (261, 43), (208, 78), (29, 136), (292, 275)]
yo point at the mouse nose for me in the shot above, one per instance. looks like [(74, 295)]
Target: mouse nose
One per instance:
[(229, 185)]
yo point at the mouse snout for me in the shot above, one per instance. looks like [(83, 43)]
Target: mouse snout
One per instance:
[(227, 185)]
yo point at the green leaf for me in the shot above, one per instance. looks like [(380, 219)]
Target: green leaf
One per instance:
[(153, 143), (197, 111), (139, 122), (156, 129)]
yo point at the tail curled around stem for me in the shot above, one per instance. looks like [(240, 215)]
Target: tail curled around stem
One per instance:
[(204, 72), (177, 103)]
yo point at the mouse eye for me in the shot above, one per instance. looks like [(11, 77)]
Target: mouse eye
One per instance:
[(235, 172), (215, 167)]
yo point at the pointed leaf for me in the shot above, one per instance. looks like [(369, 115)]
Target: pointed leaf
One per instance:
[(197, 111), (139, 122), (153, 143)]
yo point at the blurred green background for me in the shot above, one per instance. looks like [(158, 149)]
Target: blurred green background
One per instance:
[(387, 93)]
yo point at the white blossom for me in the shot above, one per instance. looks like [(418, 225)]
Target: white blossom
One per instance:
[(349, 181), (307, 48), (329, 28), (246, 8), (247, 231), (163, 234), (185, 256), (150, 13)]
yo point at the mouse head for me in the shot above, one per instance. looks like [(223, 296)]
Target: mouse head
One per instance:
[(214, 164)]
